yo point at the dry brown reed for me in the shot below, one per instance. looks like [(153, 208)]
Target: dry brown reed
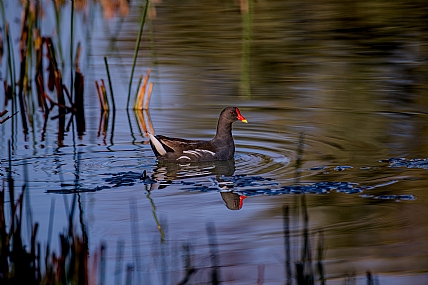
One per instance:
[(102, 95), (142, 100)]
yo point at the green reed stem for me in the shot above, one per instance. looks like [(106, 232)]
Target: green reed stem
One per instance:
[(53, 58), (11, 60), (21, 94), (246, 51), (137, 47), (10, 57), (109, 83), (71, 48), (58, 30)]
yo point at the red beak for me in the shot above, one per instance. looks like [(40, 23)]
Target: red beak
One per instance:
[(240, 117)]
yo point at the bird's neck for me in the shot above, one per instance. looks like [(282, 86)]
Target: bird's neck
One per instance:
[(224, 132)]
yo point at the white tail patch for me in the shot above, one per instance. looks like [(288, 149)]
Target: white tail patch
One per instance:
[(157, 144)]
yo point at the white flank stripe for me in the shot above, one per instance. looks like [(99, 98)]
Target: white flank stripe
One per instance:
[(206, 151), (192, 152), (183, 157), (198, 152), (157, 144)]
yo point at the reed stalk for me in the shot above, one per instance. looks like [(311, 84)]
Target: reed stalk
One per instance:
[(77, 57), (142, 93), (79, 103), (10, 57), (6, 118), (38, 47), (97, 87), (52, 58), (57, 7), (139, 100), (110, 84), (149, 95), (137, 47), (11, 60), (71, 48), (21, 95), (104, 93), (138, 90)]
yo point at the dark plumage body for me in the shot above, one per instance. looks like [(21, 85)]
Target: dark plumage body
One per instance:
[(221, 147)]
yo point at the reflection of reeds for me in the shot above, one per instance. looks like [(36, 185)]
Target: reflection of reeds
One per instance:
[(303, 267), (72, 264), (103, 125), (144, 122), (215, 264), (21, 264), (155, 216), (189, 268)]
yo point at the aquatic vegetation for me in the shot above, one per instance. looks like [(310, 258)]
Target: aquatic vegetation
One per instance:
[(3, 113), (421, 163), (24, 261), (102, 95), (51, 90), (142, 99), (109, 83), (357, 93), (137, 47)]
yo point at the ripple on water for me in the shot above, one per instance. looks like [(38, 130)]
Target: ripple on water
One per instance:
[(262, 163), (58, 172), (261, 167)]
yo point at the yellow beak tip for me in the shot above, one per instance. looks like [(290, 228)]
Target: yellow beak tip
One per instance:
[(244, 121)]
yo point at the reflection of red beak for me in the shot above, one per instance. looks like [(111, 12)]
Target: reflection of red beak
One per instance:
[(241, 201)]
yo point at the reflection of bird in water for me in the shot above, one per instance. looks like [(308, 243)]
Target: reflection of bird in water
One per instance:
[(167, 171), (221, 147), (173, 171), (233, 200)]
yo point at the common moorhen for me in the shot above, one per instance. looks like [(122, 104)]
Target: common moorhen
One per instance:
[(233, 200), (221, 147)]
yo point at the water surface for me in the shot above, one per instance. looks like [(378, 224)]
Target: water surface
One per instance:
[(335, 99)]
